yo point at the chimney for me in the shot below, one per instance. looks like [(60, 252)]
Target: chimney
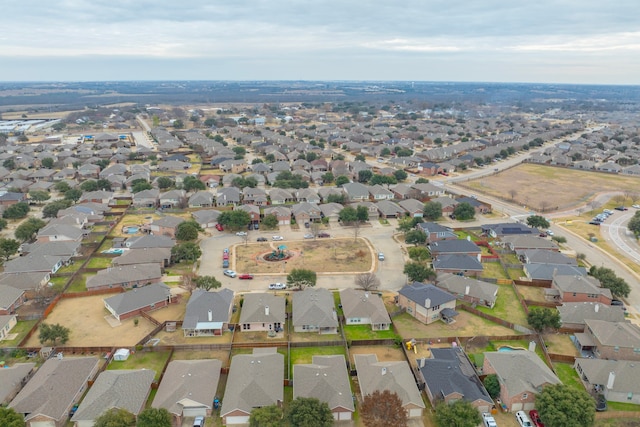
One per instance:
[(210, 315), (422, 363), (467, 289), (384, 371), (266, 310), (597, 307), (427, 302), (532, 346), (468, 238), (611, 380)]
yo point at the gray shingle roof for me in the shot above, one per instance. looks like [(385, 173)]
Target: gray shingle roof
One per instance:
[(454, 246), (143, 256), (449, 371), (521, 370), (420, 292), (457, 262), (137, 274), (135, 299), (325, 379), (578, 312), (458, 285), (11, 378), (202, 301), (150, 241), (254, 308), (187, 384), (9, 295), (314, 307), (358, 303), (124, 389), (620, 334), (51, 390), (254, 381), (168, 221), (627, 375)]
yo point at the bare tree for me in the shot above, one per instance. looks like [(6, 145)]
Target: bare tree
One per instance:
[(634, 196), (245, 239), (594, 204), (544, 205), (356, 230), (315, 229), (367, 281), (188, 282), (513, 193), (619, 199)]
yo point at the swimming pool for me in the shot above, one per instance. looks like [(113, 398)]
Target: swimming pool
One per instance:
[(509, 348), (114, 251)]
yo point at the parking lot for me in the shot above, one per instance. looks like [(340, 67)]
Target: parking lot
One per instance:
[(380, 239)]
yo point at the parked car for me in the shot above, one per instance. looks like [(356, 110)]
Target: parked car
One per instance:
[(635, 206), (276, 238), (621, 208), (523, 420), (535, 418), (488, 420), (324, 235), (595, 222), (225, 255), (73, 410), (219, 227), (380, 256), (309, 236), (601, 403), (225, 251), (245, 277), (225, 263), (261, 239), (241, 233), (229, 273), (198, 422), (277, 286), (549, 232), (256, 226)]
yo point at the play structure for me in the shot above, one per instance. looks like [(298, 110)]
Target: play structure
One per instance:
[(280, 254), (412, 345)]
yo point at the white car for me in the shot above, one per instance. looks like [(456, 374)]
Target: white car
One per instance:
[(635, 206), (241, 233), (308, 236), (523, 419), (277, 286), (277, 238), (550, 233), (229, 273), (380, 256)]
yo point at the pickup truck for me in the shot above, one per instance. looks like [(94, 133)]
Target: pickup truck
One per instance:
[(488, 420)]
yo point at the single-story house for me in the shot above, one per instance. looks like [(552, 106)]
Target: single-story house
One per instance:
[(126, 276), (364, 308), (314, 311), (617, 380), (262, 312), (573, 314), (208, 313), (12, 379), (610, 340), (147, 298)]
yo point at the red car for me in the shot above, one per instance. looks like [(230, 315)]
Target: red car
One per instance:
[(219, 227), (225, 256), (535, 418), (245, 276)]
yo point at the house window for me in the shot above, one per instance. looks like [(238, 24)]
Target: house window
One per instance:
[(246, 326), (574, 294), (525, 396), (636, 350), (616, 349)]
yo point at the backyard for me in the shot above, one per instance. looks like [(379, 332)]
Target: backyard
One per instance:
[(155, 360), (465, 325), (506, 306)]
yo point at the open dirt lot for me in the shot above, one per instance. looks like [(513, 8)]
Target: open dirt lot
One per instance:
[(550, 187), (85, 318), (322, 255)]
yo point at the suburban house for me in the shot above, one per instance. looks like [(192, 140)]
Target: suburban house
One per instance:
[(578, 289), (206, 218), (122, 389), (478, 206), (201, 199), (412, 207), (147, 198), (573, 314), (610, 340), (66, 379), (546, 272), (188, 388), (314, 311), (35, 263), (126, 276), (282, 213), (466, 265), (173, 199), (542, 256), (427, 303), (208, 313), (449, 376), (468, 289), (393, 376), (327, 380), (364, 308), (148, 241), (306, 212), (389, 209), (165, 226), (617, 380), (262, 312), (255, 380), (521, 374), (356, 192), (7, 322), (10, 299), (436, 232), (507, 229), (521, 242), (60, 232), (160, 256), (12, 379), (147, 298), (459, 246)]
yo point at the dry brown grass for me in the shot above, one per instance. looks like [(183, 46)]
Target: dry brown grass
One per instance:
[(531, 293), (322, 255), (173, 312), (178, 338), (466, 325), (221, 355), (85, 318), (560, 344), (384, 353), (544, 186)]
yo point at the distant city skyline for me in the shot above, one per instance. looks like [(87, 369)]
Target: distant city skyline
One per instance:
[(570, 41)]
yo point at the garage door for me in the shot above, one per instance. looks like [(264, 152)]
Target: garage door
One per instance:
[(194, 412), (414, 413), (42, 424), (237, 420), (516, 407), (529, 406), (344, 416)]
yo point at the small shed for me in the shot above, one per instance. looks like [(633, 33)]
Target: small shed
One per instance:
[(121, 354)]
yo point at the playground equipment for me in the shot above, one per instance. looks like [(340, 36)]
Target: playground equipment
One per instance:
[(412, 345)]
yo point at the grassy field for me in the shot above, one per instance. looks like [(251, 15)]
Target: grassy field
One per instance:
[(507, 306), (493, 270), (21, 328), (554, 187), (304, 355), (568, 375), (97, 262), (142, 359), (337, 255)]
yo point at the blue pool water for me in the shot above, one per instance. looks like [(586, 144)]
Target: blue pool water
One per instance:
[(113, 251)]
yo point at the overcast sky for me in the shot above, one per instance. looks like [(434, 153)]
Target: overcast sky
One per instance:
[(555, 41)]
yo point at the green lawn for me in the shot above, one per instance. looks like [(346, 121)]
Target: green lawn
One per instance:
[(515, 273), (364, 332), (143, 359), (336, 300), (493, 270), (507, 306), (70, 268), (21, 328), (616, 422), (568, 375), (79, 284), (510, 259), (300, 355), (617, 406), (59, 280), (98, 262)]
